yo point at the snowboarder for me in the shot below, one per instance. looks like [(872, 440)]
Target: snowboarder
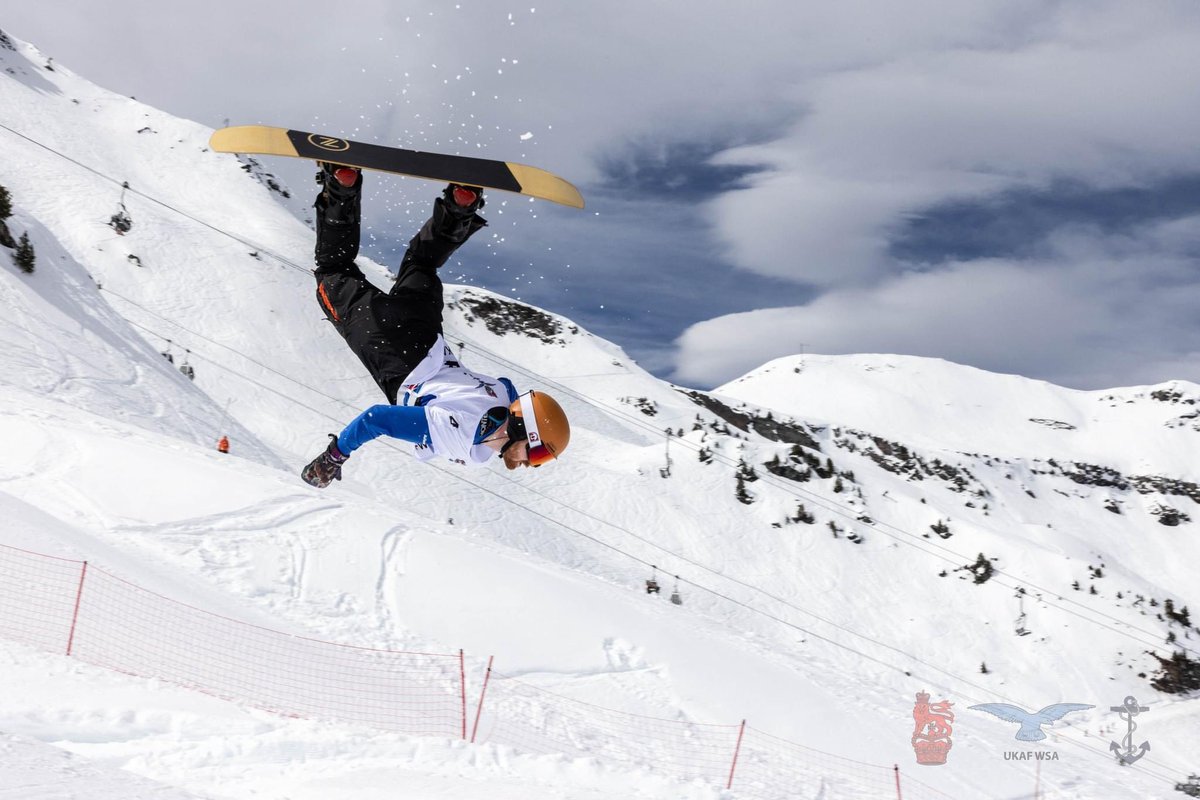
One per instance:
[(223, 444), (434, 402)]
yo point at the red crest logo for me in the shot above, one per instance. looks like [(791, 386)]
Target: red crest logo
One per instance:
[(931, 736)]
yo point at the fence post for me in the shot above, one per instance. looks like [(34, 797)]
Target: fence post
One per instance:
[(462, 680), (75, 614), (482, 692), (896, 769), (736, 750)]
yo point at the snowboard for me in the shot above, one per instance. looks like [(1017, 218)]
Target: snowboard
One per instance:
[(483, 172)]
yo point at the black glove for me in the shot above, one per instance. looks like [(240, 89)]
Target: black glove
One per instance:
[(325, 468)]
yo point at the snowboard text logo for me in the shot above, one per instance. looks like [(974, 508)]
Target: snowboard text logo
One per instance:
[(931, 736), (328, 142)]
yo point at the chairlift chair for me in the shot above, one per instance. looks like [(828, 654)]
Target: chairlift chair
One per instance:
[(1191, 788), (652, 586), (1021, 629), (676, 598), (121, 222), (186, 368)]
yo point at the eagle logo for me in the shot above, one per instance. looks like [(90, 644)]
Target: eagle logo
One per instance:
[(1031, 722)]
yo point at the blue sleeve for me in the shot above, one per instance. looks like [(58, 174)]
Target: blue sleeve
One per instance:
[(400, 422), (512, 390)]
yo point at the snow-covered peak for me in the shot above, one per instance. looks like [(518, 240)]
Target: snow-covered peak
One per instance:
[(938, 404)]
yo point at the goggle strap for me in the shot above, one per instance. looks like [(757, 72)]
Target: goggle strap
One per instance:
[(530, 419)]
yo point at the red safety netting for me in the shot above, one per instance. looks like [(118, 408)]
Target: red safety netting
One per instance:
[(71, 607), (77, 609), (539, 721), (37, 598), (776, 769)]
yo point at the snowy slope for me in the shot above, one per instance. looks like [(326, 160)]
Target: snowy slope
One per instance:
[(66, 343), (806, 630), (30, 770)]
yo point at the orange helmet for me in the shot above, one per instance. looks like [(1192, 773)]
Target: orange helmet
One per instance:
[(538, 418)]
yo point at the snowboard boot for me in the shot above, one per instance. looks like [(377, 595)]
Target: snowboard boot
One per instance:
[(465, 199), (341, 193), (345, 178), (325, 468), (453, 222), (454, 213)]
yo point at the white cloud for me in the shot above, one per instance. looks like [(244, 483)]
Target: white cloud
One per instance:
[(1099, 312), (1106, 98)]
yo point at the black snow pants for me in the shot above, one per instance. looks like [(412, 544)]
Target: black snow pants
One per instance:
[(390, 332)]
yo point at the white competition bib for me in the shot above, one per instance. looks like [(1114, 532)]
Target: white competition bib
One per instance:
[(455, 400)]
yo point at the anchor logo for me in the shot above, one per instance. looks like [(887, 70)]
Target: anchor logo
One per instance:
[(1126, 753)]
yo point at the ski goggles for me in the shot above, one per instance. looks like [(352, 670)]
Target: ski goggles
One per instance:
[(525, 427)]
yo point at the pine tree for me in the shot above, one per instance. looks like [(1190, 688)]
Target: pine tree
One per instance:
[(1179, 674), (6, 238), (24, 256), (1180, 616), (740, 492), (982, 569)]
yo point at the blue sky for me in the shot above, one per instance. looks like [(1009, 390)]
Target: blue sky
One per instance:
[(1009, 184), (1018, 223)]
